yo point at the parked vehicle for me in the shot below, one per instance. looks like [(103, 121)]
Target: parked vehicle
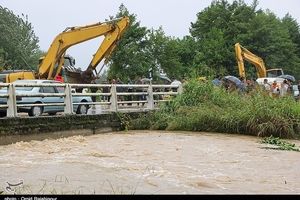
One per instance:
[(39, 110)]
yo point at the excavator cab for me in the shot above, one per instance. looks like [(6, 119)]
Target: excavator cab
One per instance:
[(274, 72), (69, 61)]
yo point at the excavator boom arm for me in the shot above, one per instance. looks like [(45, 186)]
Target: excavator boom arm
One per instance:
[(71, 36), (243, 53), (108, 44)]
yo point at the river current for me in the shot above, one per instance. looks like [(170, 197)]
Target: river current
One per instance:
[(149, 162)]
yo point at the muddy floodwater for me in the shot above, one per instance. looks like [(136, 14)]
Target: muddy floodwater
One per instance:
[(149, 162)]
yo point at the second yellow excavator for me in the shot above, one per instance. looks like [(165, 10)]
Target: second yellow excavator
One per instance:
[(52, 63), (243, 53)]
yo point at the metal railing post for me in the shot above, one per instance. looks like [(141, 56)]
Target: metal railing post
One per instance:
[(113, 98), (68, 100), (150, 98), (11, 101)]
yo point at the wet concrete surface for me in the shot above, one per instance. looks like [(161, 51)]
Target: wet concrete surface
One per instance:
[(149, 162)]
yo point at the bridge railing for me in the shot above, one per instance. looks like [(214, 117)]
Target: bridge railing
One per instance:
[(106, 98)]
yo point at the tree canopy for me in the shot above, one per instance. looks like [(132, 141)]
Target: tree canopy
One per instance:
[(130, 58), (19, 47), (221, 25), (209, 49), (141, 50)]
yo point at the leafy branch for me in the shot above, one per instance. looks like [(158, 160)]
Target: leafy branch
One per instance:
[(281, 144)]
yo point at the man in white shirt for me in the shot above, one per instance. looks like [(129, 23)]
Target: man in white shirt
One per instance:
[(267, 86), (284, 88)]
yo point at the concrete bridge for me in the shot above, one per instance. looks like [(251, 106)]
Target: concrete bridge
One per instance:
[(102, 116), (108, 98)]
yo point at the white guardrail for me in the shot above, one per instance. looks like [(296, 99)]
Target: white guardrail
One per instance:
[(107, 97)]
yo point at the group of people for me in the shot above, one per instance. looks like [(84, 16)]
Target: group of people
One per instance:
[(278, 90), (139, 80), (274, 89)]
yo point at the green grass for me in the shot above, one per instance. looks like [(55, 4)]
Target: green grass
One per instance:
[(203, 107)]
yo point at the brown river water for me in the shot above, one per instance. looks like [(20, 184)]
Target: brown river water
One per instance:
[(149, 162)]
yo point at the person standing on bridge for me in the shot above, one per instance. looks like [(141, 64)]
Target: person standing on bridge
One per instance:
[(141, 97), (120, 89), (129, 89), (59, 78), (87, 77)]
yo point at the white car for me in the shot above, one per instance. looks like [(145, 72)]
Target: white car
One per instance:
[(38, 110)]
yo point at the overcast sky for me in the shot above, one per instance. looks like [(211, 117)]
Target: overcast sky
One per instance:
[(50, 17)]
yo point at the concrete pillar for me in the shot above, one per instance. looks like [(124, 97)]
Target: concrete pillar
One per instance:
[(11, 101), (113, 98), (68, 100), (150, 97)]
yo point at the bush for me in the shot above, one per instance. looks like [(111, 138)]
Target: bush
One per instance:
[(203, 107)]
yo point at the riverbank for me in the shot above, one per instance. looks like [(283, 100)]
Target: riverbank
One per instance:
[(204, 107)]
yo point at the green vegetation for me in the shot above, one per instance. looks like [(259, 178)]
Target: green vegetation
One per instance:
[(125, 120), (209, 49), (19, 47), (203, 107), (281, 145)]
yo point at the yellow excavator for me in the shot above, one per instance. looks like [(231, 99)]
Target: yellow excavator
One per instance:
[(244, 54), (56, 59)]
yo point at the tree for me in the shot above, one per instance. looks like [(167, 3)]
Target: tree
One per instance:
[(221, 25), (294, 30), (272, 42), (141, 50), (170, 54), (18, 43), (131, 57), (210, 48), (216, 30)]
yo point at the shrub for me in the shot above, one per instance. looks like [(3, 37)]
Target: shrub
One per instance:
[(203, 107)]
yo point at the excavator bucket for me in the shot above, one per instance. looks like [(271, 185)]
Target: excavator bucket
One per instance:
[(78, 76), (72, 76)]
